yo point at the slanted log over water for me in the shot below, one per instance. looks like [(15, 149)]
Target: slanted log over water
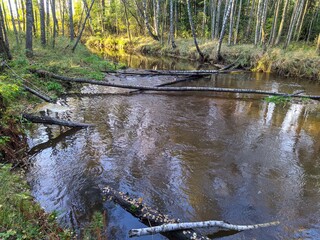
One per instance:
[(189, 225), (38, 94), (147, 215), (43, 73), (54, 121)]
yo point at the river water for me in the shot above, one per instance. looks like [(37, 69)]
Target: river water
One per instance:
[(207, 156)]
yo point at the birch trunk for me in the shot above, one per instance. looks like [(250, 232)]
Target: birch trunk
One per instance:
[(293, 21), (146, 21), (213, 5), (258, 23), (318, 45), (252, 9), (238, 23), (127, 19), (42, 22), (13, 23), (193, 30), (23, 15), (71, 29), (54, 30), (274, 23), (263, 22), (4, 30), (173, 44), (217, 28), (5, 17), (83, 26), (29, 11), (204, 18), (4, 44), (315, 15), (231, 22), (301, 21), (225, 19), (18, 16), (283, 18), (189, 225)]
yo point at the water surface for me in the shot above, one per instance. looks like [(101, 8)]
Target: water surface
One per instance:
[(193, 156)]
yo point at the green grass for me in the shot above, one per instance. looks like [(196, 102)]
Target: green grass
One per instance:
[(298, 60), (20, 216), (278, 99)]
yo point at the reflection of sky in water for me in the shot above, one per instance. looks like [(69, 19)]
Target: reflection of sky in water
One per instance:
[(192, 156)]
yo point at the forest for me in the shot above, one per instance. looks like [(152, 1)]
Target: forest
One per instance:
[(265, 23)]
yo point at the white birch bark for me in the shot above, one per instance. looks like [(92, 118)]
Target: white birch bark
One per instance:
[(190, 225)]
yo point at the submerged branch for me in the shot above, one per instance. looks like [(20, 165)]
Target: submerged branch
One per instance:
[(171, 89), (54, 121), (189, 225)]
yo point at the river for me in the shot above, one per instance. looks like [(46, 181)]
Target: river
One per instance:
[(207, 156)]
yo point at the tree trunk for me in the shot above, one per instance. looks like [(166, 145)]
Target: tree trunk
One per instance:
[(274, 23), (283, 18), (189, 225), (4, 45), (54, 121), (301, 21), (173, 44), (156, 6), (146, 20), (29, 11), (293, 21), (217, 28), (54, 18), (223, 29), (213, 11), (5, 17), (42, 23), (204, 19), (83, 26), (263, 22), (23, 15), (13, 23), (231, 22), (314, 16), (258, 23), (127, 19), (71, 21), (252, 9), (238, 23), (193, 30), (318, 45), (18, 16), (48, 19)]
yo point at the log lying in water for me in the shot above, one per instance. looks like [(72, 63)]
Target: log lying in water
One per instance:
[(188, 225), (171, 72), (172, 89), (54, 121), (147, 215), (38, 94)]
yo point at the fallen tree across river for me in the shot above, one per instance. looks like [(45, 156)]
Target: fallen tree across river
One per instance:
[(54, 121), (43, 73)]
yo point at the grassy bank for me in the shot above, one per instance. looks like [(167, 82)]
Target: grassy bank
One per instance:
[(299, 61), (20, 216)]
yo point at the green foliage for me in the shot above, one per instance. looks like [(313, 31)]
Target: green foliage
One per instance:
[(20, 217), (4, 140), (97, 227), (55, 86), (278, 99)]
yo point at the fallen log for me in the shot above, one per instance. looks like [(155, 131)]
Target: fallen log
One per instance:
[(38, 94), (147, 215), (169, 72), (188, 225), (54, 121), (43, 73)]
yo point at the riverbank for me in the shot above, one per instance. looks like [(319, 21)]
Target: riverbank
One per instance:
[(20, 216), (298, 60)]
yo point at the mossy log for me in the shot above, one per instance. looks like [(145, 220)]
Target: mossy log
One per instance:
[(43, 73), (148, 215)]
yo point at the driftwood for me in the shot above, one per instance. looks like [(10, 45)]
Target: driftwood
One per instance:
[(189, 225), (147, 215), (172, 89), (54, 121), (38, 94)]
